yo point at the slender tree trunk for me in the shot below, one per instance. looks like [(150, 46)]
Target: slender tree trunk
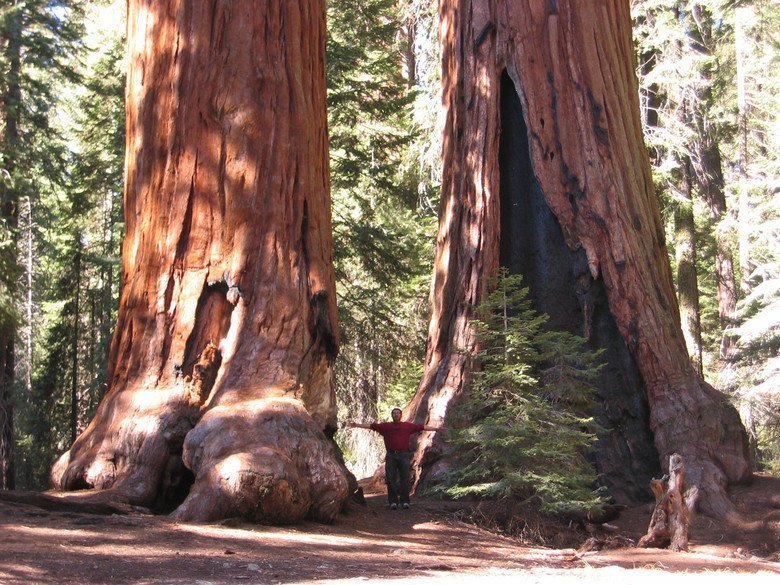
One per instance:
[(9, 219), (107, 291), (362, 400), (74, 381), (743, 17), (7, 369), (708, 169), (709, 177), (409, 58), (227, 322), (29, 299), (93, 363), (6, 417), (687, 273), (571, 139)]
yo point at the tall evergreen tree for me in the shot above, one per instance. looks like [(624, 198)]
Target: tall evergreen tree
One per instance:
[(81, 266), (38, 39), (712, 64), (754, 171), (546, 173), (681, 48), (227, 327), (382, 232)]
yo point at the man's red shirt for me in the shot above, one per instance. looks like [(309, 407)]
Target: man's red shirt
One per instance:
[(397, 434)]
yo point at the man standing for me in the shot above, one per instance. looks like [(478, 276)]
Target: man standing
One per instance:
[(397, 461)]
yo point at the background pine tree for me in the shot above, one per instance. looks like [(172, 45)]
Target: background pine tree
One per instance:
[(383, 223), (707, 71)]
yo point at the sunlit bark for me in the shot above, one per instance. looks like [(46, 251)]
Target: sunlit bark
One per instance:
[(579, 157), (220, 366)]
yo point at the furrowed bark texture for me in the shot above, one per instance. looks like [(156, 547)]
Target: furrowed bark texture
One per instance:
[(227, 322), (563, 146)]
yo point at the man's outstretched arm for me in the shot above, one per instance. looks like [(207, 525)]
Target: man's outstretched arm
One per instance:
[(429, 428), (356, 425)]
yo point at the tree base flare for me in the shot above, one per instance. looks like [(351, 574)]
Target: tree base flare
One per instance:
[(674, 507), (266, 461)]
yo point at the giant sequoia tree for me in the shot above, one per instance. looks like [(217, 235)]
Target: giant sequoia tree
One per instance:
[(546, 174), (220, 368)]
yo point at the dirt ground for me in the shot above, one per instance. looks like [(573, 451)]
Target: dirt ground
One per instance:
[(426, 544)]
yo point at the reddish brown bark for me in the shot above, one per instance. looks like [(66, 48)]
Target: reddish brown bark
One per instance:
[(573, 70), (227, 320)]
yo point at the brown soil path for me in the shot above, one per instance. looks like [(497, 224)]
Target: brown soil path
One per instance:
[(425, 544)]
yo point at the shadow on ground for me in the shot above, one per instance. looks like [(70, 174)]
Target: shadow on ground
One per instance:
[(369, 542)]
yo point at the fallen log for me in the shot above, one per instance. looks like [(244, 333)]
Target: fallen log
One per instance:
[(674, 505), (87, 502)]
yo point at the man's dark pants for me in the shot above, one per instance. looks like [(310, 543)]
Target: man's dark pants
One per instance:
[(397, 475)]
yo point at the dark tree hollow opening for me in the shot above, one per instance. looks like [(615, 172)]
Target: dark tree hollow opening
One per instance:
[(202, 360), (532, 244), (212, 321)]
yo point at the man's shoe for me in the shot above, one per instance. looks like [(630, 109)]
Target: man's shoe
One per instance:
[(405, 506), (394, 506)]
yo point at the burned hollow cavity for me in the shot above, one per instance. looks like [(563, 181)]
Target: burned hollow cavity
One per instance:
[(532, 244)]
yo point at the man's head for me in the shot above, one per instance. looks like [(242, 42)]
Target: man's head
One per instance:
[(396, 414)]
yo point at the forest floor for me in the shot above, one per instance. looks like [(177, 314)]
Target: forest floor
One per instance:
[(427, 544)]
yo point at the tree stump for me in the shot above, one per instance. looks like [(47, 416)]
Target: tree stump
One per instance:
[(674, 507)]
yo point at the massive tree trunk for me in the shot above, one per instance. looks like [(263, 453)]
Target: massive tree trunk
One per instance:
[(221, 360), (546, 173)]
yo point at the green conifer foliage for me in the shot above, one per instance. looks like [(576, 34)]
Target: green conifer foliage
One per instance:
[(383, 232), (38, 43), (76, 271), (523, 430), (757, 365), (755, 377), (708, 69)]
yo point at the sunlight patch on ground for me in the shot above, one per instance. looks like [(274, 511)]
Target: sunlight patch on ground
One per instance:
[(252, 535), (62, 533), (13, 570), (603, 576)]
